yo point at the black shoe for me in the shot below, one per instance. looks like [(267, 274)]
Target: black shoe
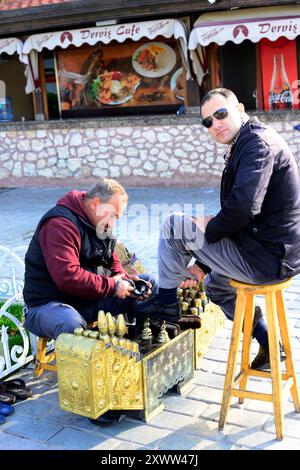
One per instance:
[(110, 417), (262, 359), (153, 308), (257, 315)]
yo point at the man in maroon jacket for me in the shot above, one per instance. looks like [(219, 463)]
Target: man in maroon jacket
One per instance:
[(63, 289)]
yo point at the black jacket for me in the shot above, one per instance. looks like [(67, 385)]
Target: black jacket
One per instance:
[(260, 202)]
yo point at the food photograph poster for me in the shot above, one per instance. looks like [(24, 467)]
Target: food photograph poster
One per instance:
[(126, 75)]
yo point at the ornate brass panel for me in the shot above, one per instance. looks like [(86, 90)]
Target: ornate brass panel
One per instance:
[(212, 319), (169, 365), (82, 372)]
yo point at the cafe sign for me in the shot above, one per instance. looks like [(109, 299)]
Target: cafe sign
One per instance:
[(105, 34), (253, 24)]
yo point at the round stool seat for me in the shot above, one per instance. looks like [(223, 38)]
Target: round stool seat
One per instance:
[(261, 289)]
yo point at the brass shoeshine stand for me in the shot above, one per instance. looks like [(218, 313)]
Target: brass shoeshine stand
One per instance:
[(103, 370)]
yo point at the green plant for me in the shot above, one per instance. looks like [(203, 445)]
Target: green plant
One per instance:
[(15, 338)]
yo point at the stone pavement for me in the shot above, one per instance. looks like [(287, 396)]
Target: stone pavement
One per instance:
[(187, 423)]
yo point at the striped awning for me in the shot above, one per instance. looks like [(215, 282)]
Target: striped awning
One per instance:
[(253, 24)]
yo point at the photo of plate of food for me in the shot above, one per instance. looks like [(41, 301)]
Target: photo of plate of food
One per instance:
[(177, 84), (114, 87), (154, 59)]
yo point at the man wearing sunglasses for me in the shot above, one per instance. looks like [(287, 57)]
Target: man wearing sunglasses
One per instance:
[(254, 238)]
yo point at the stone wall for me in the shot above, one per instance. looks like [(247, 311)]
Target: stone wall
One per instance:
[(145, 151)]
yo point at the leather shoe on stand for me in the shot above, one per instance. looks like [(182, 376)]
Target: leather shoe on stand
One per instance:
[(153, 308)]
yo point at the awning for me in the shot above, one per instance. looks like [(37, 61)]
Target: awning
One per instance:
[(253, 24), (103, 34), (11, 45)]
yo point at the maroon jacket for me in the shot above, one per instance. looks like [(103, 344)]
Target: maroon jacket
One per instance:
[(60, 241)]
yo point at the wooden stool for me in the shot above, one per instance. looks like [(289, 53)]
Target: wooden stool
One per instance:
[(43, 359), (244, 314)]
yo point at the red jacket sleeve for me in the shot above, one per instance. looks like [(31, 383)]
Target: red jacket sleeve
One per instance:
[(115, 265), (60, 244)]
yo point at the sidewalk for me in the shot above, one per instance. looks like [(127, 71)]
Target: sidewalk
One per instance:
[(187, 423)]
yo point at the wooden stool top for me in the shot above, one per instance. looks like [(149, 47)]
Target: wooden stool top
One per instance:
[(261, 288)]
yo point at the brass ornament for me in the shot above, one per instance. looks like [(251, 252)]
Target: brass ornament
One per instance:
[(146, 331), (193, 311), (163, 336), (103, 327), (121, 330), (111, 329), (184, 306)]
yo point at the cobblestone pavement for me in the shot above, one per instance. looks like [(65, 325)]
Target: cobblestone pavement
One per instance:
[(188, 422)]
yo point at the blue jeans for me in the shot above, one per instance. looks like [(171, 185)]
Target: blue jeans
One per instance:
[(51, 319)]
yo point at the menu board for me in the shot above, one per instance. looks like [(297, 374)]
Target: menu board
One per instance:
[(120, 75)]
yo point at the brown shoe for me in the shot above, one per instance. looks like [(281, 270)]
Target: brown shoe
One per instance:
[(189, 321), (257, 315), (262, 359)]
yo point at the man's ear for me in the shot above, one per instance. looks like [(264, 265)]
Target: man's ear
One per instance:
[(95, 202), (241, 107)]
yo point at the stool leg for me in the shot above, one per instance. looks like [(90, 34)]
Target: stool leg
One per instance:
[(247, 337), (232, 356), (275, 364), (284, 331), (40, 357)]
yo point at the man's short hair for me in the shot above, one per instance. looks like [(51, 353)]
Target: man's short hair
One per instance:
[(105, 189), (228, 94)]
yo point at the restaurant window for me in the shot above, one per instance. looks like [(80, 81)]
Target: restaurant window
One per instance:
[(15, 105), (129, 78), (51, 85), (238, 71)]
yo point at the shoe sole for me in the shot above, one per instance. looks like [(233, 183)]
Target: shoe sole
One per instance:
[(267, 365)]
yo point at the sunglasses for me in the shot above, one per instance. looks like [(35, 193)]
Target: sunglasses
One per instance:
[(220, 114)]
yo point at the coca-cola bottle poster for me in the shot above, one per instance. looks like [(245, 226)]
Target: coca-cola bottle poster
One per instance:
[(280, 74)]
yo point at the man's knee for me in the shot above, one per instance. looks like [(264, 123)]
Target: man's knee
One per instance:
[(217, 286), (68, 325), (209, 286), (172, 225)]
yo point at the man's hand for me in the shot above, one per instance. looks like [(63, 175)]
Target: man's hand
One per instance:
[(202, 222), (123, 288), (197, 273), (147, 294)]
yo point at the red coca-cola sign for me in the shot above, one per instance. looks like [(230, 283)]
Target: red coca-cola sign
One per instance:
[(279, 73), (280, 94)]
